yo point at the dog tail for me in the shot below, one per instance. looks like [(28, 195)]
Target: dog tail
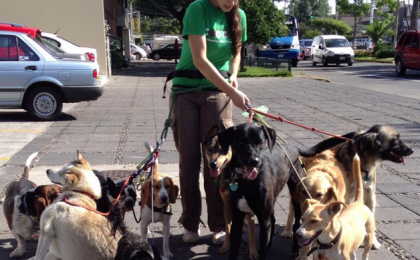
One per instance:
[(357, 174), (150, 149), (25, 174), (324, 145)]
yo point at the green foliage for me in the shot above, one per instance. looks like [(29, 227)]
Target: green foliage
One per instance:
[(262, 72), (264, 20), (378, 30), (310, 34), (356, 8), (384, 54), (309, 9), (359, 54), (328, 26), (161, 25), (117, 58)]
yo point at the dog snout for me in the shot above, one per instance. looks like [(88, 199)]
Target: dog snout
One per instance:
[(213, 165), (48, 171), (129, 203), (299, 234), (409, 151), (253, 161), (164, 199)]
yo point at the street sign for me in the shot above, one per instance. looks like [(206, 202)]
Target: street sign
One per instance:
[(135, 25)]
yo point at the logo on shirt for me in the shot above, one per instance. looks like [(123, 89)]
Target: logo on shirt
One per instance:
[(220, 35)]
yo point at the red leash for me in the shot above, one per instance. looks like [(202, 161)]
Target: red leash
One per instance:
[(251, 112)]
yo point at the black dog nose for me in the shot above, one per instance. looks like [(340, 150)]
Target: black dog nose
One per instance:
[(129, 203), (298, 235), (254, 161), (410, 151), (48, 172), (213, 165), (164, 198)]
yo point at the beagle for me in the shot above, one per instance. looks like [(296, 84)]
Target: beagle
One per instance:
[(163, 192), (23, 206)]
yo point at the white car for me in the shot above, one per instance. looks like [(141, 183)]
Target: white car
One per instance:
[(331, 49), (138, 52), (70, 47)]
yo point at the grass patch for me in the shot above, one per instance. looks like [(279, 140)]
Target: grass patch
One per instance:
[(262, 72), (373, 59)]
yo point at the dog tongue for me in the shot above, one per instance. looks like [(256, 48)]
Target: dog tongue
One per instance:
[(304, 242), (251, 173), (214, 172), (399, 157)]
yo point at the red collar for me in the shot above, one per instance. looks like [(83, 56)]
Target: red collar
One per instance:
[(85, 193)]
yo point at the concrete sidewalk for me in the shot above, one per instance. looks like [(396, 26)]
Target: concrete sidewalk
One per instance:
[(110, 133)]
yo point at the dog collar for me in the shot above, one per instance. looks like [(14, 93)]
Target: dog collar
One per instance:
[(165, 210), (322, 246), (85, 193)]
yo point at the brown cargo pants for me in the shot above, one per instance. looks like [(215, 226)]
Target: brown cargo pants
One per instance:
[(193, 115)]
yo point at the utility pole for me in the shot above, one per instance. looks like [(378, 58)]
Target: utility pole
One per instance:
[(372, 8), (396, 24)]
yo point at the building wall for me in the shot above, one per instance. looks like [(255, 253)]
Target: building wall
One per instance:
[(79, 21)]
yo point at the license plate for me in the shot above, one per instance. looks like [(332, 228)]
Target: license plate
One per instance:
[(280, 55), (342, 58)]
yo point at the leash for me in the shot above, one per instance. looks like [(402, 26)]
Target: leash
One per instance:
[(322, 246)]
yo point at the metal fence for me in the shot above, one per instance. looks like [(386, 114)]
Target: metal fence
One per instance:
[(268, 63)]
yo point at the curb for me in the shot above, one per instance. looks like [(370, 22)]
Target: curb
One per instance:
[(376, 61)]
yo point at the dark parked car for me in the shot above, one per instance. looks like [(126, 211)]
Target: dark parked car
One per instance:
[(407, 52), (168, 52)]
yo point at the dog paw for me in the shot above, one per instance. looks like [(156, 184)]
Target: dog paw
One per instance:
[(287, 234), (376, 245), (17, 253)]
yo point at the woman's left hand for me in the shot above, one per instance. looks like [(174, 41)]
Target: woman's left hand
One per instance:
[(234, 81)]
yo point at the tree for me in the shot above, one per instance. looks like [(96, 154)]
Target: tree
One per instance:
[(328, 26), (310, 34), (414, 15), (264, 20), (356, 8), (317, 8), (377, 30)]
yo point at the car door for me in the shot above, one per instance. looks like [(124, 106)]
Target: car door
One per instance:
[(168, 52), (407, 51), (18, 65), (415, 52)]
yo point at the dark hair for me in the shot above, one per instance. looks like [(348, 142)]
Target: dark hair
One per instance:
[(235, 30)]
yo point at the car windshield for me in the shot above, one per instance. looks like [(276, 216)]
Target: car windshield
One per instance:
[(336, 43), (40, 42), (308, 43), (67, 41)]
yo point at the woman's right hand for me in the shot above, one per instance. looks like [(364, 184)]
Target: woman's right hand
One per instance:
[(239, 99)]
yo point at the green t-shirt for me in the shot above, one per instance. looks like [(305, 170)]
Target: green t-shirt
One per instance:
[(203, 18)]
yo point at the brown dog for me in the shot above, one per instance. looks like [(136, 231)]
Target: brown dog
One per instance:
[(23, 206), (217, 161), (336, 233)]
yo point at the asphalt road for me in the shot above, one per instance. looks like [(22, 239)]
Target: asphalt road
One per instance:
[(379, 77)]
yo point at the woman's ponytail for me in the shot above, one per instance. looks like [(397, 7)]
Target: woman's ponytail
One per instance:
[(235, 30)]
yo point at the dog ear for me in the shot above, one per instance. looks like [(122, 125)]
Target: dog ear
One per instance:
[(41, 204), (335, 208), (225, 138), (270, 136), (82, 159), (308, 204), (212, 132), (330, 196), (174, 192), (111, 184), (367, 142), (146, 193)]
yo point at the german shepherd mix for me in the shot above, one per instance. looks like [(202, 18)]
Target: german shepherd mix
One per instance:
[(336, 233), (217, 161)]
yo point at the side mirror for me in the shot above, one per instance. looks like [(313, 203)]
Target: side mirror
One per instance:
[(321, 46)]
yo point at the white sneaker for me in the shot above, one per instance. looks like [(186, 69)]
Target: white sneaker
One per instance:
[(218, 237), (191, 237)]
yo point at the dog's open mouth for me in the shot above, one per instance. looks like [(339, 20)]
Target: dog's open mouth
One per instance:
[(397, 157), (251, 173), (308, 241), (214, 172)]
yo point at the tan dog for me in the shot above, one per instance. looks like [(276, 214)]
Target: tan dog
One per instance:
[(324, 183), (163, 193), (217, 160), (336, 233), (69, 231), (23, 205)]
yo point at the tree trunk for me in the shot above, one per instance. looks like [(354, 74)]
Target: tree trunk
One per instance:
[(414, 15), (354, 30)]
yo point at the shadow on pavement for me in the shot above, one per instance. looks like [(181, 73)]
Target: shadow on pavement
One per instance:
[(147, 69)]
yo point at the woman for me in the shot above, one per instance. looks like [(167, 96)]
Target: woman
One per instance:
[(213, 34)]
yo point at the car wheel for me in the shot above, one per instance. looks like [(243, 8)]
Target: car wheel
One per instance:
[(350, 64), (44, 103), (138, 56), (399, 68), (313, 61), (156, 56), (294, 63), (324, 62)]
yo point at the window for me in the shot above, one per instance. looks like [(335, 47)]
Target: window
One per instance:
[(336, 43), (170, 47), (14, 49), (401, 40), (51, 41), (408, 39), (415, 42), (308, 43)]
